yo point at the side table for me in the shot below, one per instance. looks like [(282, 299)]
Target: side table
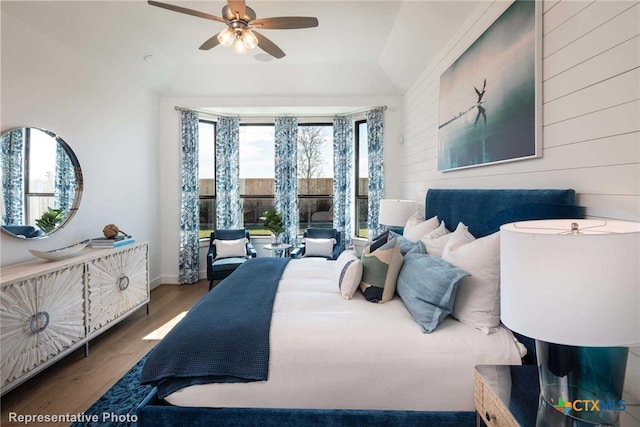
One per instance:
[(281, 250), (509, 396), (506, 396)]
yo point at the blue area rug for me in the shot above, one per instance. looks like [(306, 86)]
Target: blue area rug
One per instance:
[(117, 407)]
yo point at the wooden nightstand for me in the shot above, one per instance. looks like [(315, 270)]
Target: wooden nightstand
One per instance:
[(506, 396)]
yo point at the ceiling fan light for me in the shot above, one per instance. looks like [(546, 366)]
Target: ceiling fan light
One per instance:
[(226, 37), (239, 46), (249, 39)]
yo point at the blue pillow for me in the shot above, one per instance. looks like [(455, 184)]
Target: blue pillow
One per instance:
[(427, 285), (406, 246)]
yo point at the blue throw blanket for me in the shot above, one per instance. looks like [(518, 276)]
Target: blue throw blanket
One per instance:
[(225, 337)]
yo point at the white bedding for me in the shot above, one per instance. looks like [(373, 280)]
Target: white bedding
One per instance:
[(331, 353)]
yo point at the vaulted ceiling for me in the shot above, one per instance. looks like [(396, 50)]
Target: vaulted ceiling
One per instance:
[(359, 47)]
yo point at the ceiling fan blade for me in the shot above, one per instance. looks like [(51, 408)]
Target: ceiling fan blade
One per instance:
[(268, 46), (186, 11), (210, 43), (285, 23), (238, 8)]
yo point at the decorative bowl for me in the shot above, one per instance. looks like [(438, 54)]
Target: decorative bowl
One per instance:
[(57, 254)]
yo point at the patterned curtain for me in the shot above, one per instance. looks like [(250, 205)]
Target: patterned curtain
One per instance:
[(375, 130), (343, 177), (13, 177), (65, 186), (228, 210), (189, 209), (286, 175)]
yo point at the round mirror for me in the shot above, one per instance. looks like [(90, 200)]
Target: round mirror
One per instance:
[(41, 182)]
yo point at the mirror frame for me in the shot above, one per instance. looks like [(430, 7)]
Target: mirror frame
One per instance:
[(78, 187)]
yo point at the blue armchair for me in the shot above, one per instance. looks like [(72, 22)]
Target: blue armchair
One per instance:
[(218, 269), (26, 231), (320, 233)]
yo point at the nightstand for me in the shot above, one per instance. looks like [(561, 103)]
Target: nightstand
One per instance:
[(506, 396)]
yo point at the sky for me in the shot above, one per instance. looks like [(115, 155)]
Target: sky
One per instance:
[(257, 152)]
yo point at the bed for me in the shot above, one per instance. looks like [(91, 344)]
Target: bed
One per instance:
[(332, 361)]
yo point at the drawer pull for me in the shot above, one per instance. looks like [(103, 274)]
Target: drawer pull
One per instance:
[(123, 282), (40, 318), (487, 416)]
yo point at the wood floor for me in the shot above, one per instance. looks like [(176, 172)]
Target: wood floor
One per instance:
[(73, 384)]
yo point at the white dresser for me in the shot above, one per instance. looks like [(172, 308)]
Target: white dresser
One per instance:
[(48, 309)]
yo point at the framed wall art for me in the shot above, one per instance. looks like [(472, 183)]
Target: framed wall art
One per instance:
[(490, 97)]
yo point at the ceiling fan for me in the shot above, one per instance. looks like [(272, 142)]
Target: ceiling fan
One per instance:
[(241, 23)]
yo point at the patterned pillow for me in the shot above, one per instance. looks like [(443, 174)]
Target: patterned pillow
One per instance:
[(379, 240), (427, 285), (231, 248), (380, 270), (348, 273)]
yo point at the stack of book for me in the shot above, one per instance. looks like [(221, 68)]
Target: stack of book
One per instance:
[(116, 242)]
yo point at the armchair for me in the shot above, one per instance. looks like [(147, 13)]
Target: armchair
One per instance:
[(220, 268), (320, 233)]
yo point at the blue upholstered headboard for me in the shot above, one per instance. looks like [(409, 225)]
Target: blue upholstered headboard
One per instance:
[(484, 211)]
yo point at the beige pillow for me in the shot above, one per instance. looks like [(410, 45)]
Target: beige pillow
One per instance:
[(435, 242), (319, 247), (417, 226), (231, 248), (478, 298)]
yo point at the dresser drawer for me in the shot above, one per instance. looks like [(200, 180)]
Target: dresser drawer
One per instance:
[(116, 284)]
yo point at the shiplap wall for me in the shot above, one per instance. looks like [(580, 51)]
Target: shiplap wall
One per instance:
[(591, 110), (591, 116)]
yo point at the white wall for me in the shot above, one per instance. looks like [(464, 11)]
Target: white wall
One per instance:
[(591, 110), (169, 160), (591, 116), (110, 124)]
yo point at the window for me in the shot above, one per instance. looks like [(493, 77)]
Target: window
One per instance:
[(40, 179), (315, 175), (257, 177), (362, 179), (207, 177)]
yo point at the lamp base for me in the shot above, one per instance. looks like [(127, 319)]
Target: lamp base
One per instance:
[(584, 384)]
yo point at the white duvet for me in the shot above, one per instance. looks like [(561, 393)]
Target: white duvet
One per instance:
[(332, 353)]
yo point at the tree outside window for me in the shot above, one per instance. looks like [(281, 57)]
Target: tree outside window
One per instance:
[(315, 175)]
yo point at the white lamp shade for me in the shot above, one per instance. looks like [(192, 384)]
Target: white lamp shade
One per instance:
[(395, 213), (573, 289)]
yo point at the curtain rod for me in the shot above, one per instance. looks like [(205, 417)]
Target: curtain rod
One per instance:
[(214, 113), (211, 113), (364, 110)]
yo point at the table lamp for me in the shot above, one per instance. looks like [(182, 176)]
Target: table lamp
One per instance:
[(574, 286), (395, 213)]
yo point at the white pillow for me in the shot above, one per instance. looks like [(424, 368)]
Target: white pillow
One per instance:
[(478, 298), (435, 242), (319, 247), (231, 248), (348, 273), (416, 227)]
